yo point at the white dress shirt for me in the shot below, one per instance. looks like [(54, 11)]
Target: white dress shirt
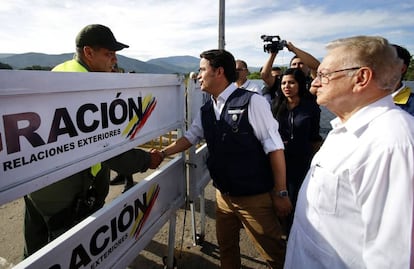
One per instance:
[(251, 86), (260, 117), (355, 207)]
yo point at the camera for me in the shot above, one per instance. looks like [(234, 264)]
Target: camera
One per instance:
[(273, 43)]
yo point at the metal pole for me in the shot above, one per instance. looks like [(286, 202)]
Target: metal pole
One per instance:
[(221, 42), (171, 242), (202, 215), (193, 223)]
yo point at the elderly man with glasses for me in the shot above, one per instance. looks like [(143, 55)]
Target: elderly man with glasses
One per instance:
[(355, 207)]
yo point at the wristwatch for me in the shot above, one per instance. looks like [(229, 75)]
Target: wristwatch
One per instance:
[(282, 193)]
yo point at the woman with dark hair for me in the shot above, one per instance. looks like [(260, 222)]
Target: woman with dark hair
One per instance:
[(298, 115)]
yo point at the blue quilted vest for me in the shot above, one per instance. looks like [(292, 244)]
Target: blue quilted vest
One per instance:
[(237, 163)]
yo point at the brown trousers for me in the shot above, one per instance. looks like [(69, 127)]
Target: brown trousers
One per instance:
[(256, 214)]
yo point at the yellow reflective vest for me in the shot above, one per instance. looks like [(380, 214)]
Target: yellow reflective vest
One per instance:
[(74, 66), (402, 97), (70, 66)]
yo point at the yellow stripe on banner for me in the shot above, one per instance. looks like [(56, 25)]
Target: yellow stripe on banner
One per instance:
[(95, 169), (138, 220), (130, 125), (146, 101), (134, 119)]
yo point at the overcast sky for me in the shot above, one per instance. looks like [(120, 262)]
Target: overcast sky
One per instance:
[(161, 28)]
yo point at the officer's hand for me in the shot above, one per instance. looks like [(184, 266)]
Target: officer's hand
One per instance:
[(156, 158)]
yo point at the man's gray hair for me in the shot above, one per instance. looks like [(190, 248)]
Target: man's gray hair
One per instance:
[(374, 52)]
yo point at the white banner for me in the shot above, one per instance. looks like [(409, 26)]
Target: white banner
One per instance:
[(113, 236), (196, 99), (199, 175), (54, 124)]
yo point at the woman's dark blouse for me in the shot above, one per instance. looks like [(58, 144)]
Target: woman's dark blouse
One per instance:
[(299, 129)]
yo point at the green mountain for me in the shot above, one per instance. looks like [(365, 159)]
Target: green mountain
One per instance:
[(3, 55), (176, 64), (186, 64)]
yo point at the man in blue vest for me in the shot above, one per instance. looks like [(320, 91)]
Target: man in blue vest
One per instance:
[(56, 208), (246, 162)]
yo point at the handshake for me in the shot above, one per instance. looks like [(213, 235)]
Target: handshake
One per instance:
[(156, 158)]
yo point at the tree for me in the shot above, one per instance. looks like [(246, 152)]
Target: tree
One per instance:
[(5, 66), (254, 75), (410, 72)]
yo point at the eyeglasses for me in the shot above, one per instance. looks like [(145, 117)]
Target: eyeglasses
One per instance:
[(324, 78), (240, 69)]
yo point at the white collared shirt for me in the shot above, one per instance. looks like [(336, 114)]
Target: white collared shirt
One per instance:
[(260, 117), (250, 86), (355, 207)]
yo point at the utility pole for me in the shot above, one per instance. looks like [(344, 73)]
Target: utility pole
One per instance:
[(221, 42)]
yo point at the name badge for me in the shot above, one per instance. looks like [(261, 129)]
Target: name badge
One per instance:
[(234, 113)]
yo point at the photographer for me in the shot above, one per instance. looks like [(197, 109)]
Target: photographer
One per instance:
[(303, 60)]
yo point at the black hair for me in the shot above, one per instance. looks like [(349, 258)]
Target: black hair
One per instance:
[(280, 106), (405, 55), (243, 63), (222, 58), (293, 58), (300, 79)]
